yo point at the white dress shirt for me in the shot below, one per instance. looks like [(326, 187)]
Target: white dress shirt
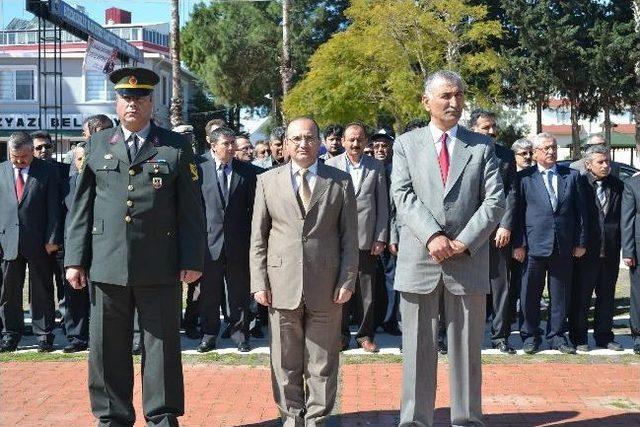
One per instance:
[(355, 170), (228, 170), (142, 135), (436, 134), (554, 177), (296, 178), (24, 171)]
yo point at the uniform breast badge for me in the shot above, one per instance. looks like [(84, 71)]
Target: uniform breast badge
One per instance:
[(156, 182)]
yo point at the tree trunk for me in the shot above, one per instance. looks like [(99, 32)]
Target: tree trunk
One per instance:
[(539, 103), (607, 123), (575, 129), (176, 85), (286, 69)]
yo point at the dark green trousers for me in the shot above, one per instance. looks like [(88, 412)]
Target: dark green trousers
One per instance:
[(111, 363)]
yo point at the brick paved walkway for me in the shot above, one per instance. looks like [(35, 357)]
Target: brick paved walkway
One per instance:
[(54, 394)]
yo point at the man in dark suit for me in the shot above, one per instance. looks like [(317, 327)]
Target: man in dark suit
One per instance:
[(43, 149), (228, 188), (630, 225), (76, 313), (598, 268), (484, 122), (136, 230), (550, 232), (30, 231)]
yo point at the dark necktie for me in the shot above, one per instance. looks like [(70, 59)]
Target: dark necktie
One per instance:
[(224, 188), (133, 147), (601, 194), (19, 185), (443, 159)]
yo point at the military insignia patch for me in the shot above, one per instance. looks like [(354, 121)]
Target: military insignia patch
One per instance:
[(114, 139), (157, 183), (194, 171), (133, 80), (108, 156)]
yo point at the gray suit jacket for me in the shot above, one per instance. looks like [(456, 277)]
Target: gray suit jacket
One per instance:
[(467, 209), (27, 226), (294, 255), (372, 199)]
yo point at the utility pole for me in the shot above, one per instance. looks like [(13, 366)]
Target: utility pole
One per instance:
[(175, 110)]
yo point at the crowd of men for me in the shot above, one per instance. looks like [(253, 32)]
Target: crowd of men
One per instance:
[(407, 234)]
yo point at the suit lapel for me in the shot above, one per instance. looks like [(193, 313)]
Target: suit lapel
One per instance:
[(119, 146), (422, 152), (542, 188), (10, 178), (366, 168), (235, 178), (209, 167), (148, 149), (322, 183), (562, 183), (34, 170), (286, 187), (458, 160)]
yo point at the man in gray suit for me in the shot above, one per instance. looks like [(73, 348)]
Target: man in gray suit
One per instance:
[(303, 266), (449, 199), (372, 199), (30, 231)]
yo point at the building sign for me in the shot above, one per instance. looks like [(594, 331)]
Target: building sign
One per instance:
[(99, 57), (31, 122), (79, 24)]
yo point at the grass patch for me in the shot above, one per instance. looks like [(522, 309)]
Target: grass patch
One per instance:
[(624, 404), (227, 359), (34, 356)]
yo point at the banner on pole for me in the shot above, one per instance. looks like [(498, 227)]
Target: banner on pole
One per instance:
[(99, 57)]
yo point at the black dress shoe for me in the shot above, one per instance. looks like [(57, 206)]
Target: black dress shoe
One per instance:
[(226, 334), (392, 328), (206, 346), (636, 348), (136, 350), (566, 348), (504, 347), (6, 346), (613, 346), (531, 347), (256, 332), (45, 347), (442, 347), (74, 347), (244, 347), (192, 333)]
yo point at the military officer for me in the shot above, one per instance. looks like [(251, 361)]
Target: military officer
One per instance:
[(136, 231)]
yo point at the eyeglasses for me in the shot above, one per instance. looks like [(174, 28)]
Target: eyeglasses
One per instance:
[(297, 140), (43, 147), (525, 153)]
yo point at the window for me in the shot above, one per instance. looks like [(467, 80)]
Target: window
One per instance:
[(135, 34), (98, 87), (17, 85)]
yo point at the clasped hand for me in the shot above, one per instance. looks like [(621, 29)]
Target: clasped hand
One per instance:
[(441, 248)]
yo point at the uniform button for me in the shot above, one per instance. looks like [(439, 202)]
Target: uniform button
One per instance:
[(105, 166), (304, 238), (129, 203), (130, 187), (127, 218), (132, 172)]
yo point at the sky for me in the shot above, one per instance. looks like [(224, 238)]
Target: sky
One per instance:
[(142, 11)]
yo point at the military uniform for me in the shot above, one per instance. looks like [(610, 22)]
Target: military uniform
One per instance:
[(135, 224)]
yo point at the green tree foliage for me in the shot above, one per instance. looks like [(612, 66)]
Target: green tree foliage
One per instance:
[(377, 65), (235, 47)]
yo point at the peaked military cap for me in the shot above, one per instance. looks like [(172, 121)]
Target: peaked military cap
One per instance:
[(135, 82)]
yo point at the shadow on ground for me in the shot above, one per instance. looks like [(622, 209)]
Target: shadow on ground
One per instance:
[(442, 418)]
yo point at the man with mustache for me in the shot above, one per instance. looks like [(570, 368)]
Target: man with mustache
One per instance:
[(372, 198), (136, 230), (449, 199)]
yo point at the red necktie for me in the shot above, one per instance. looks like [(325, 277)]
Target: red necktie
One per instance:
[(443, 159), (19, 185)]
